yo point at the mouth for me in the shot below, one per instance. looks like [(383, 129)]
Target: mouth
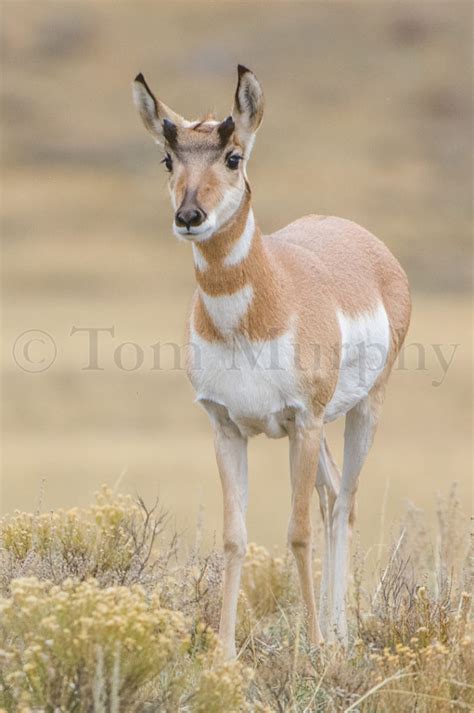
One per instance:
[(185, 232), (195, 233)]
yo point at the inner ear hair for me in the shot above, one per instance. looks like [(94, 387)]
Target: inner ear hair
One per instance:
[(152, 110), (248, 101), (241, 70), (141, 79), (147, 105)]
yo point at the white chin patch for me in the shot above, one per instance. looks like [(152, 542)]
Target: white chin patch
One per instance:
[(198, 233), (214, 221)]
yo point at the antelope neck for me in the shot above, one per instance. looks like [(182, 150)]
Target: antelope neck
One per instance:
[(223, 262), (239, 288)]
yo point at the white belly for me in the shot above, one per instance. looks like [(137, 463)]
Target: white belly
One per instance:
[(365, 343), (255, 381)]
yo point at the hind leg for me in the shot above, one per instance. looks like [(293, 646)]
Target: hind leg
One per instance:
[(327, 485), (361, 423)]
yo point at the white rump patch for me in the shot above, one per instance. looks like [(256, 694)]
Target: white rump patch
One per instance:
[(365, 343), (226, 311), (241, 248)]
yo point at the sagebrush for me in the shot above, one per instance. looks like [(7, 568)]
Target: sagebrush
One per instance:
[(103, 611)]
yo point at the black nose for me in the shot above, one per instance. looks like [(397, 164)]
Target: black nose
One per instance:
[(189, 217)]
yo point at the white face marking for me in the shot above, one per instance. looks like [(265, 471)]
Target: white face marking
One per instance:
[(199, 259), (229, 204), (215, 219), (241, 248), (365, 342), (226, 311)]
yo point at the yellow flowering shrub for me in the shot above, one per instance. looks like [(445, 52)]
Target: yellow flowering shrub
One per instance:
[(52, 636), (107, 622), (221, 688), (111, 539), (65, 646), (423, 671), (266, 580)]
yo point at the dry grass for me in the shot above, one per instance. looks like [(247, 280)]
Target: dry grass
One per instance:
[(102, 611)]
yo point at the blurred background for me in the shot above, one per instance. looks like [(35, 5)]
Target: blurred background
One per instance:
[(367, 117)]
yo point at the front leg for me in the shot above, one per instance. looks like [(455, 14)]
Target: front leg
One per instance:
[(231, 455), (304, 455)]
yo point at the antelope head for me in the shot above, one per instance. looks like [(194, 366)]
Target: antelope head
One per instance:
[(206, 160)]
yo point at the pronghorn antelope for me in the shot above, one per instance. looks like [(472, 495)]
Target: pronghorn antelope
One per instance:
[(286, 332)]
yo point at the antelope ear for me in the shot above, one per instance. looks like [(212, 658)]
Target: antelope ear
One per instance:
[(248, 107), (153, 111)]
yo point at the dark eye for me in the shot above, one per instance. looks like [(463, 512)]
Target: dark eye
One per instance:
[(168, 161), (232, 160)]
